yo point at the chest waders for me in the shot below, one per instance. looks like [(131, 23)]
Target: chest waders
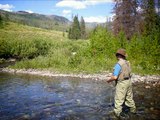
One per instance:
[(123, 92)]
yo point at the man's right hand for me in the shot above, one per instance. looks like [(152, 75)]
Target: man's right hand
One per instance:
[(113, 78)]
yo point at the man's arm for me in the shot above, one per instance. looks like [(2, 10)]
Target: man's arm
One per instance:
[(116, 72), (113, 78)]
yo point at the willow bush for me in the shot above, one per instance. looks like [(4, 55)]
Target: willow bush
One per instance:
[(143, 52), (98, 54)]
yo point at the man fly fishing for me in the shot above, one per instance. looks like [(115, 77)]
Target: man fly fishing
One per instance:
[(123, 93)]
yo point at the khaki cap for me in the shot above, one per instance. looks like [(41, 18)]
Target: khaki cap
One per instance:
[(121, 52)]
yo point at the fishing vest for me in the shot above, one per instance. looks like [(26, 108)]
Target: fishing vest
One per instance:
[(125, 70)]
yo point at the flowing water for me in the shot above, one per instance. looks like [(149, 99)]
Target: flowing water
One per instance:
[(26, 97)]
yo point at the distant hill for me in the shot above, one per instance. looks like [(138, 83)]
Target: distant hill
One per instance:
[(53, 22), (92, 25)]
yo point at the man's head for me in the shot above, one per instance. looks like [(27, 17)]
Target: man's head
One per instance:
[(121, 53)]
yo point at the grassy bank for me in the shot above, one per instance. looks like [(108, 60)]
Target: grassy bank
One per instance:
[(52, 50)]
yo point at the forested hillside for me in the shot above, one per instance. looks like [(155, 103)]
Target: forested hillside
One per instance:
[(52, 22)]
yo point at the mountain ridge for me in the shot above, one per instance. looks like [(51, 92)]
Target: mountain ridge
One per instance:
[(54, 22)]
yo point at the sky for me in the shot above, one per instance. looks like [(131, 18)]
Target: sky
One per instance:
[(91, 10)]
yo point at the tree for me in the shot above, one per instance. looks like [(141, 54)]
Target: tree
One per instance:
[(76, 28), (70, 33), (83, 28), (151, 18), (75, 31), (1, 21), (125, 17)]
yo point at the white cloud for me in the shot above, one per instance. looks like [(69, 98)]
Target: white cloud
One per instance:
[(157, 10), (72, 4), (29, 11), (110, 18), (66, 11), (99, 19), (6, 7), (76, 4), (95, 2)]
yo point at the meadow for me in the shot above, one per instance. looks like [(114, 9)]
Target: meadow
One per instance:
[(52, 50)]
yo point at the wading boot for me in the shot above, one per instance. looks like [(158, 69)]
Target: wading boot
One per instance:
[(132, 116), (113, 116), (123, 116)]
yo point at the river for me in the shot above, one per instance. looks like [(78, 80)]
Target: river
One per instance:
[(32, 97)]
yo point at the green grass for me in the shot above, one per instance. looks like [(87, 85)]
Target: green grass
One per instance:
[(18, 31), (51, 50), (48, 49)]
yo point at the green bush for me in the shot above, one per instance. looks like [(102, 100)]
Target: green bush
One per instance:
[(50, 51), (144, 54)]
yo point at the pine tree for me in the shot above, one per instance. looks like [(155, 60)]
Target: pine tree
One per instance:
[(151, 18), (83, 28), (125, 18), (70, 34), (76, 28), (0, 18), (74, 31), (1, 21)]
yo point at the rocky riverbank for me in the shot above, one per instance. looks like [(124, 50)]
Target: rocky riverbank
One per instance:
[(154, 79)]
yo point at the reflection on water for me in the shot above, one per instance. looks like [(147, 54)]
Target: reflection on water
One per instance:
[(65, 98)]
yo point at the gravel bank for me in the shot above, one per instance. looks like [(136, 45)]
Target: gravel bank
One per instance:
[(154, 79)]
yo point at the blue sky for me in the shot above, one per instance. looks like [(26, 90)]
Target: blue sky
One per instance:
[(91, 10)]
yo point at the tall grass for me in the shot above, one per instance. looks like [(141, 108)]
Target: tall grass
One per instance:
[(51, 50), (26, 42)]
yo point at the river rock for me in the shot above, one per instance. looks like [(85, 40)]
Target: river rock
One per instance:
[(147, 86), (153, 79)]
